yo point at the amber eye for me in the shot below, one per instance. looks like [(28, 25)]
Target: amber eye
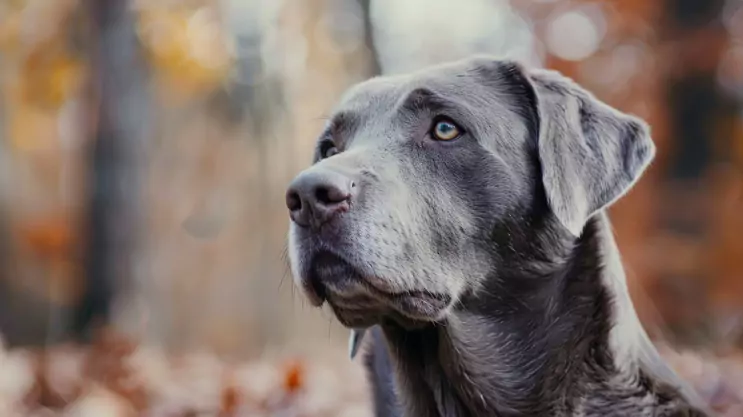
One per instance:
[(446, 130), (327, 149), (330, 152)]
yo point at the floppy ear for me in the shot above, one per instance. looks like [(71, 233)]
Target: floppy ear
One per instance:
[(590, 153)]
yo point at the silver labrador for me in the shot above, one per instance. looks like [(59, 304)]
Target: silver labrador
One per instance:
[(458, 213)]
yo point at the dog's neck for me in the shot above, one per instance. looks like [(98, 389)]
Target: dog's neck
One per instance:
[(558, 340)]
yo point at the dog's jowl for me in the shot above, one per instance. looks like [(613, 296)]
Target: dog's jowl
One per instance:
[(458, 215)]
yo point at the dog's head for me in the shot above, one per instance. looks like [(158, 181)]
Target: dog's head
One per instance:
[(419, 181)]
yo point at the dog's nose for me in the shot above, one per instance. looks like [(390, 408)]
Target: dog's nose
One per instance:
[(315, 197)]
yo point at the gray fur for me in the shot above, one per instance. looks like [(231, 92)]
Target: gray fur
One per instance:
[(485, 265), (590, 153)]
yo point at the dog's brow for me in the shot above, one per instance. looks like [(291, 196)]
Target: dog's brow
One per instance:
[(424, 98), (342, 125)]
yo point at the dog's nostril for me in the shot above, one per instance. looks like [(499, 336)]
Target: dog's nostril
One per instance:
[(330, 195), (316, 196), (293, 202)]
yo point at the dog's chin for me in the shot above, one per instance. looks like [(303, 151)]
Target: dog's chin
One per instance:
[(361, 301), (407, 310)]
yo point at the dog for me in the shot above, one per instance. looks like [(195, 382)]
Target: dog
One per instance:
[(458, 214)]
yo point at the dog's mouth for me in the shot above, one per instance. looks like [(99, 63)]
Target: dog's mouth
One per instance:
[(360, 300)]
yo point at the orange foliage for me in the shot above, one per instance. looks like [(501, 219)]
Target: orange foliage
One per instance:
[(230, 401), (48, 238), (294, 376), (107, 379), (41, 72), (31, 128), (116, 377), (49, 76), (50, 243), (186, 47)]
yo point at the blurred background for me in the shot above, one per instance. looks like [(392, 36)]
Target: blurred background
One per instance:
[(145, 147)]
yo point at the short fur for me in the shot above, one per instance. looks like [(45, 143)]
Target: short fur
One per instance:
[(485, 266)]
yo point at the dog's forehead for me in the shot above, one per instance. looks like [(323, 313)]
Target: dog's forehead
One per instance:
[(481, 89), (459, 79)]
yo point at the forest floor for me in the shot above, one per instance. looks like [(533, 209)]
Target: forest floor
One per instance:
[(114, 377)]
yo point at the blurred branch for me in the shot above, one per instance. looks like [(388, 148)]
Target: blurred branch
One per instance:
[(119, 104), (375, 67)]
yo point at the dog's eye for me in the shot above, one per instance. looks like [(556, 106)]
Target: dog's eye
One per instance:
[(330, 152), (445, 129), (327, 149)]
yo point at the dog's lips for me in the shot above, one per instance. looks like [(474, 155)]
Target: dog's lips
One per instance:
[(357, 298), (408, 310), (423, 306), (315, 293)]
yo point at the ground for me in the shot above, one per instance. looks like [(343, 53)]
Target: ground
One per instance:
[(117, 378)]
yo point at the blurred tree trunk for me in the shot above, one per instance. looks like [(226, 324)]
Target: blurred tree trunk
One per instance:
[(375, 67), (118, 110), (696, 41)]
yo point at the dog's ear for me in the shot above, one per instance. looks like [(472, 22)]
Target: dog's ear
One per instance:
[(590, 153)]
